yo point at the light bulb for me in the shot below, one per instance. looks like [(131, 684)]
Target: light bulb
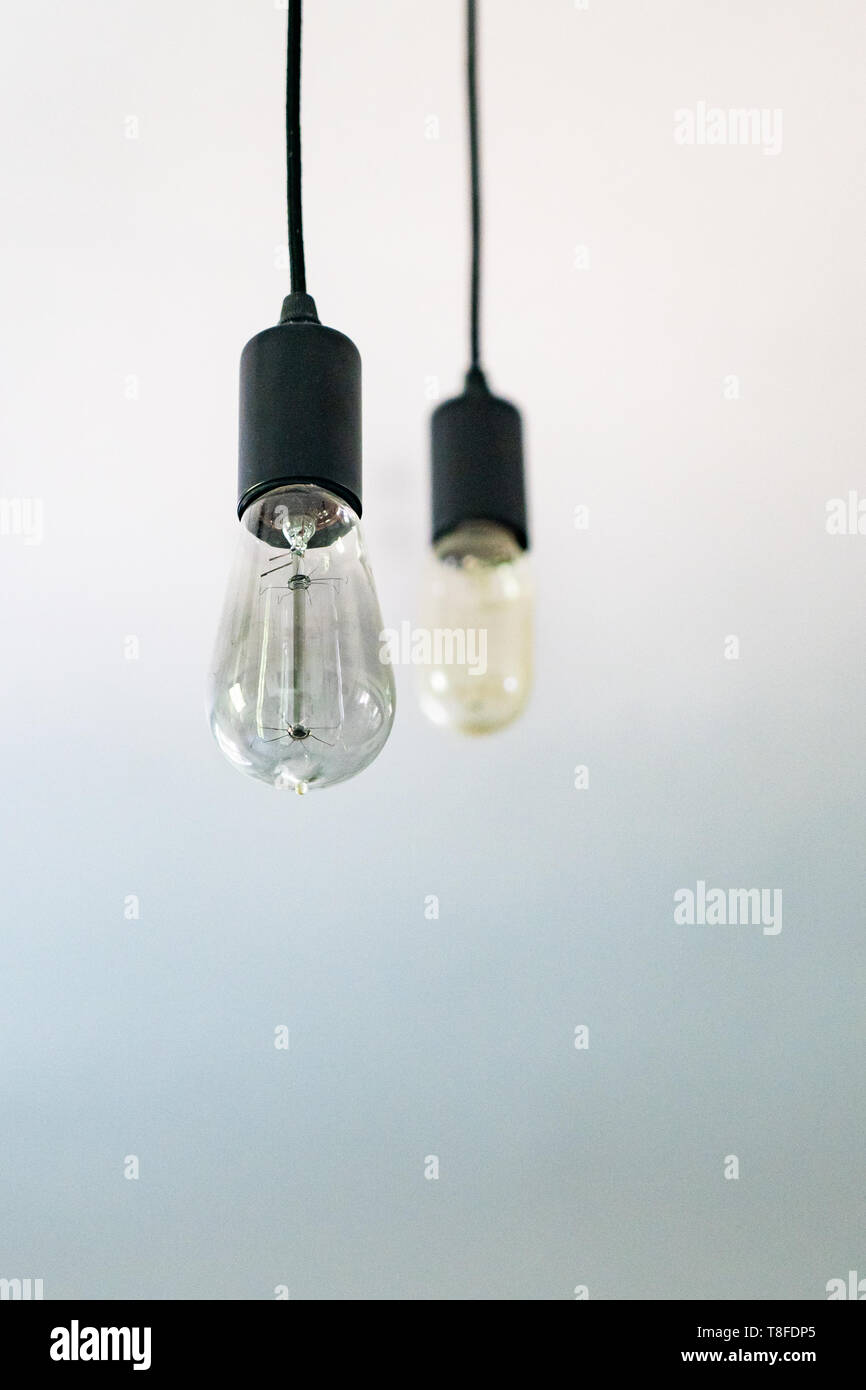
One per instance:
[(478, 625), (299, 697)]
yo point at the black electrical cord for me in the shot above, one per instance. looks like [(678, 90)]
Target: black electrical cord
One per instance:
[(475, 186), (297, 269)]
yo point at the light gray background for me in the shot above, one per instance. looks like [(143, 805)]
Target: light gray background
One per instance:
[(157, 257)]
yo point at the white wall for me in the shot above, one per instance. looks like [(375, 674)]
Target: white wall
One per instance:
[(155, 258)]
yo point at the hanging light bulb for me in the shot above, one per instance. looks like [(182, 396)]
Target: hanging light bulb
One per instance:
[(479, 584), (298, 695), (479, 587)]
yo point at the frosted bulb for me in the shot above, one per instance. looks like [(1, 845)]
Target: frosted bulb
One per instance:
[(478, 627), (298, 694)]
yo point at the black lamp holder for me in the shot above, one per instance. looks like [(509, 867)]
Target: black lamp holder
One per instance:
[(300, 408), (477, 450)]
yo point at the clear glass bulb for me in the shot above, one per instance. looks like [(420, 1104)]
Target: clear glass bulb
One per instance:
[(478, 627), (298, 694)]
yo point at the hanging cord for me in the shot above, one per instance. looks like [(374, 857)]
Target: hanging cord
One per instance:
[(475, 187), (298, 274)]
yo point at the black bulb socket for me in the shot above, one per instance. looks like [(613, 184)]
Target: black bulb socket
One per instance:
[(477, 455), (300, 408)]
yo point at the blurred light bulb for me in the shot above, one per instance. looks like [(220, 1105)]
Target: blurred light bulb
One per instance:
[(478, 620), (298, 694)]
